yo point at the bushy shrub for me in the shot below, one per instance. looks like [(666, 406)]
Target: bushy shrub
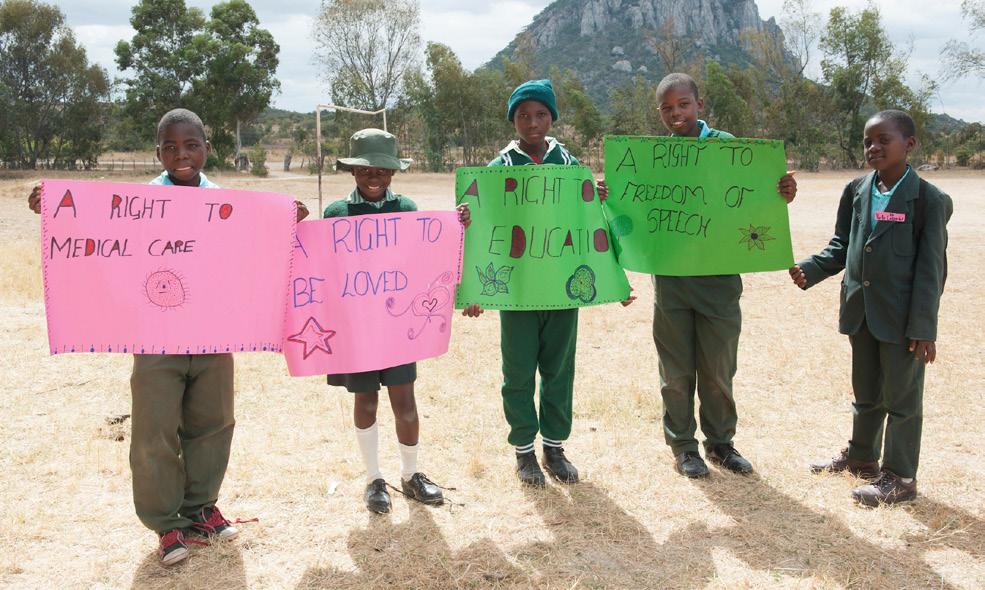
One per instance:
[(258, 161)]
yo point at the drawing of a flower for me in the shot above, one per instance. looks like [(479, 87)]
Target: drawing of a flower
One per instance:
[(755, 236), (495, 281), (581, 284)]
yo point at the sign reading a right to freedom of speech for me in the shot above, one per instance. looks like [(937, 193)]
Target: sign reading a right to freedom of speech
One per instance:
[(683, 206)]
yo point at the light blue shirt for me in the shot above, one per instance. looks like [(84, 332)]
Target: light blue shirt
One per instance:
[(355, 198), (705, 129), (880, 200), (203, 182)]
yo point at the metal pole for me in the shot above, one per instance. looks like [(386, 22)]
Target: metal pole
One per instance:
[(318, 154), (384, 119)]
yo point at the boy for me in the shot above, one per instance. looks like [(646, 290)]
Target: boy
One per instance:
[(373, 161), (890, 238), (696, 324), (182, 414), (543, 339)]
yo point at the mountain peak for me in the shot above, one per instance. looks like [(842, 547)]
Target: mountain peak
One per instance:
[(605, 42)]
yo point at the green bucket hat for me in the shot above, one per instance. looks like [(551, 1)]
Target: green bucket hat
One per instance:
[(374, 148)]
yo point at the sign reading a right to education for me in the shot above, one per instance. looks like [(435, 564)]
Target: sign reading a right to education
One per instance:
[(682, 206), (538, 240)]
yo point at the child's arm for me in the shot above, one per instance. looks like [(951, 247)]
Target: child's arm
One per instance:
[(464, 215), (928, 277), (787, 186), (629, 300), (302, 210), (34, 200), (473, 310), (603, 190), (924, 350), (831, 260)]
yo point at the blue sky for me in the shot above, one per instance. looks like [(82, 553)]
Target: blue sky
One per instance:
[(100, 24)]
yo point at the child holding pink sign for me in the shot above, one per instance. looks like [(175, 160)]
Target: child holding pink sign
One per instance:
[(373, 161), (182, 404)]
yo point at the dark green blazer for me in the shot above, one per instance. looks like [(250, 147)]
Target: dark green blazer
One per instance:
[(893, 278)]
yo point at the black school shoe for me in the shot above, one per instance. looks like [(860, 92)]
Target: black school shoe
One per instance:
[(528, 471), (690, 464), (726, 456), (422, 489), (376, 496), (558, 465)]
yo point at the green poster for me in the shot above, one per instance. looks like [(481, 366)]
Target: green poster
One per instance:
[(683, 206), (538, 239)]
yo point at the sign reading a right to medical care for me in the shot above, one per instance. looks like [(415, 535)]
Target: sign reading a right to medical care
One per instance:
[(682, 206)]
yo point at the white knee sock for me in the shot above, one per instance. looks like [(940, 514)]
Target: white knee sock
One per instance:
[(369, 443), (408, 460)]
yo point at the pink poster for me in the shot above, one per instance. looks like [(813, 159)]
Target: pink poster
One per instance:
[(372, 291), (143, 268)]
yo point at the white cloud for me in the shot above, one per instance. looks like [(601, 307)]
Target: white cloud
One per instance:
[(100, 41), (476, 35)]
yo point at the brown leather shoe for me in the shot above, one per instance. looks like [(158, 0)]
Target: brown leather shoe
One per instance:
[(865, 469), (888, 489)]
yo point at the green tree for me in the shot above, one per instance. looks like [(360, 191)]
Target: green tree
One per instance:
[(859, 62), (960, 59), (365, 47), (633, 109), (454, 107), (583, 113), (222, 67), (52, 97), (240, 70), (166, 57), (723, 103)]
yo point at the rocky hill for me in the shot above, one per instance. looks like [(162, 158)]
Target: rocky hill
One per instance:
[(607, 42)]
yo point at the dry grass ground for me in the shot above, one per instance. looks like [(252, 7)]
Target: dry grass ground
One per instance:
[(68, 522)]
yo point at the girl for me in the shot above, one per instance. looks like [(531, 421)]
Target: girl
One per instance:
[(373, 161)]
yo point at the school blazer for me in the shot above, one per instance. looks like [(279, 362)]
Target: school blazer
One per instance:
[(893, 279)]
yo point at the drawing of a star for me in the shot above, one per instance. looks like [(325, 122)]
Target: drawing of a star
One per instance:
[(313, 337)]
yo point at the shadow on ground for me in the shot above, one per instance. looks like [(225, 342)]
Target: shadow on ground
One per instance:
[(595, 543)]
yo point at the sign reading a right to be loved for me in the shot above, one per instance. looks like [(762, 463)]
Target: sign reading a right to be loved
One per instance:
[(683, 206)]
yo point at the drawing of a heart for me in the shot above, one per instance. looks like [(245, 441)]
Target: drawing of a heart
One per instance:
[(427, 303)]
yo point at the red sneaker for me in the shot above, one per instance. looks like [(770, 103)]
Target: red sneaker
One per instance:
[(173, 547), (210, 522)]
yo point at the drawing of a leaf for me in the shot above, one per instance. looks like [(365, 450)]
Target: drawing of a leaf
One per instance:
[(502, 288), (482, 276), (503, 274), (491, 272), (489, 288)]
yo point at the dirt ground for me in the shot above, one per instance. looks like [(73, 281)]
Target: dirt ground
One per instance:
[(68, 522)]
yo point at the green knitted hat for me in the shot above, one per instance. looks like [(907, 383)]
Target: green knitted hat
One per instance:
[(539, 90), (373, 148)]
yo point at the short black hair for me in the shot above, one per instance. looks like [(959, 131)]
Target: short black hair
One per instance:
[(673, 81), (903, 121), (176, 116)]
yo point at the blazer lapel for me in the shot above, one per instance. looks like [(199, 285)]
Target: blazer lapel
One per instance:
[(862, 203), (898, 203)]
